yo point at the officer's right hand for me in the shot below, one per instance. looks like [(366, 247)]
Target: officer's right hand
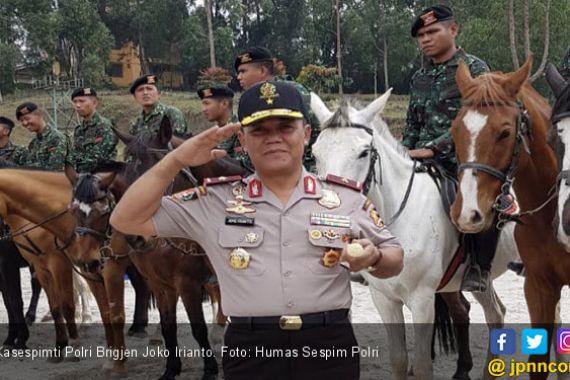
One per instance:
[(201, 148), (421, 153)]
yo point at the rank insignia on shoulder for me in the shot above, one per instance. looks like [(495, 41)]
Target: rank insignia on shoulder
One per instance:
[(190, 194), (375, 216), (221, 180), (310, 185), (343, 181)]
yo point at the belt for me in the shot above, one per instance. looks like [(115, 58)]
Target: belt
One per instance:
[(290, 322)]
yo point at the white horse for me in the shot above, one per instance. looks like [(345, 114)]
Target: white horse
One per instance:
[(346, 143)]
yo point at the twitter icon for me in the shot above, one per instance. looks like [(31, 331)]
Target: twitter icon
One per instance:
[(534, 341)]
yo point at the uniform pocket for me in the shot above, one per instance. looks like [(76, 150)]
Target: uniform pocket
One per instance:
[(231, 238), (325, 239)]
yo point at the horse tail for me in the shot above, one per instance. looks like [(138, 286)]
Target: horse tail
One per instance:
[(443, 328)]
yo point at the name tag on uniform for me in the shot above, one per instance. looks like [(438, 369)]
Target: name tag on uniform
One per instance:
[(239, 221)]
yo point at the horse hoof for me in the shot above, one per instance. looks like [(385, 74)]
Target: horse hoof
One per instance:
[(170, 374), (7, 346), (461, 376), (47, 318), (72, 358), (29, 319), (139, 334), (55, 359), (87, 318), (108, 365)]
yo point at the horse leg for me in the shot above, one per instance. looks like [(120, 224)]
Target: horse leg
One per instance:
[(541, 299), (423, 312), (216, 333), (191, 294), (62, 273), (393, 320), (458, 307), (167, 300), (10, 260), (36, 290), (81, 295), (98, 289), (494, 316), (142, 298), (115, 293)]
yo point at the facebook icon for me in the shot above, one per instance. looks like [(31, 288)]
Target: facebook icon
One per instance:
[(503, 341)]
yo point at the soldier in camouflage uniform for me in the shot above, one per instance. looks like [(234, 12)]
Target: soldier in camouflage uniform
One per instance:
[(147, 94), (49, 148), (94, 141), (10, 153), (217, 106), (434, 102), (256, 64), (565, 65)]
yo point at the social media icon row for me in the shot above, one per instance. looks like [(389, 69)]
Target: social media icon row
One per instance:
[(533, 341)]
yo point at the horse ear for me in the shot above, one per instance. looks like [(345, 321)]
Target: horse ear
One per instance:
[(320, 109), (376, 106), (71, 174), (165, 131), (516, 80), (106, 179), (463, 78), (556, 82), (124, 137)]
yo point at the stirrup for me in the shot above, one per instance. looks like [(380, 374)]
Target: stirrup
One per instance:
[(472, 284)]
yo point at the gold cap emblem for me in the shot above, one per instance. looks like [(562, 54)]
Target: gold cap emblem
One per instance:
[(87, 91), (428, 18), (245, 58), (207, 92), (268, 92), (151, 79)]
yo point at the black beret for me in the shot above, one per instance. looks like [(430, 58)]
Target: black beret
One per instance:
[(271, 99), (431, 15), (253, 54), (24, 109), (215, 91), (145, 79), (7, 122), (83, 91)]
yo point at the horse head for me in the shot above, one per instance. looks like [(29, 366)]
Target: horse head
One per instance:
[(93, 200), (345, 146), (559, 140), (492, 132)]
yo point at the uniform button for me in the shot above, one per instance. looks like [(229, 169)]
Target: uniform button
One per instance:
[(285, 243), (287, 274)]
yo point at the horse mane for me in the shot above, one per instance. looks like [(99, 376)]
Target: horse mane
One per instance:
[(488, 90), (340, 119), (86, 188)]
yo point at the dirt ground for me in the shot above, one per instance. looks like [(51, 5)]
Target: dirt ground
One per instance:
[(370, 334)]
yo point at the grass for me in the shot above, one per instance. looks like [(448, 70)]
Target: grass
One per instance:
[(122, 109)]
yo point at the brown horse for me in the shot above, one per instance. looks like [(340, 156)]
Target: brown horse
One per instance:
[(173, 268), (500, 138)]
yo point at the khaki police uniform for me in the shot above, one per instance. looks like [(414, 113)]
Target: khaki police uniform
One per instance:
[(291, 265)]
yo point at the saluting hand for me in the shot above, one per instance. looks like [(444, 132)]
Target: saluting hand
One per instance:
[(200, 149), (368, 256)]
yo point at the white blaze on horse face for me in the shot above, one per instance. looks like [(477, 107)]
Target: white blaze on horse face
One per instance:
[(84, 207), (563, 127), (474, 123)]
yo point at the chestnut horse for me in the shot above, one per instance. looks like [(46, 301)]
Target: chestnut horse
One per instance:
[(173, 268), (500, 138)]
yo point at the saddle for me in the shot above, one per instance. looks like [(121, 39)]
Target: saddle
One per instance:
[(446, 183)]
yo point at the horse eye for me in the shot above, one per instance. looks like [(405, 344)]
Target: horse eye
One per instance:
[(504, 134), (560, 131), (363, 154)]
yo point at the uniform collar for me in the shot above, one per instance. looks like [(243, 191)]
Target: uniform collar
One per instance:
[(48, 130), (453, 61), (157, 110), (308, 186), (94, 120)]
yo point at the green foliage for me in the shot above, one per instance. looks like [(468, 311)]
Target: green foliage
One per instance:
[(7, 68), (319, 78)]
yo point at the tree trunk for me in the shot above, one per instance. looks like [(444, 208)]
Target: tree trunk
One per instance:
[(526, 27), (538, 72), (512, 36), (338, 45), (386, 82), (208, 9)]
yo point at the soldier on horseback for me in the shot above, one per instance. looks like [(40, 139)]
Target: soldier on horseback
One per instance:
[(434, 103)]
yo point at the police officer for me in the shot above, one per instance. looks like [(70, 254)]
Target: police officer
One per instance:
[(146, 93), (434, 103), (257, 64), (217, 106), (10, 152), (49, 148), (276, 239), (93, 140)]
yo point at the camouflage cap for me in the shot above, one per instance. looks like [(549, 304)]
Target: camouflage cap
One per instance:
[(431, 15), (252, 55), (6, 122), (271, 99), (24, 109), (215, 91), (83, 91), (145, 79)]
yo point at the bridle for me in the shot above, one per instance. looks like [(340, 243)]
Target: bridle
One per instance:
[(523, 131)]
